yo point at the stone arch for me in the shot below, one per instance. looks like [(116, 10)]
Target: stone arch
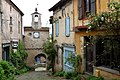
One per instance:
[(40, 58), (40, 62)]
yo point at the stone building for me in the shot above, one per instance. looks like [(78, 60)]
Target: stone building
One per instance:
[(10, 27), (34, 37), (63, 32), (70, 20)]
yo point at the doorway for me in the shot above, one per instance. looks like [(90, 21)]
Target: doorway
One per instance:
[(6, 52), (89, 55), (40, 62)]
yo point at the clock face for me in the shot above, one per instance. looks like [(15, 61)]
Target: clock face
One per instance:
[(36, 34)]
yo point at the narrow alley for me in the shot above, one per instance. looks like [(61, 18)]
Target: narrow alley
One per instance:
[(37, 75)]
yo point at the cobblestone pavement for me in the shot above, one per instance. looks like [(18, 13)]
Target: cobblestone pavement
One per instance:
[(37, 75)]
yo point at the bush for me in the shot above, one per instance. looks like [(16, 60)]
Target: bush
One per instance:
[(95, 78), (78, 77), (6, 71), (60, 74), (70, 75)]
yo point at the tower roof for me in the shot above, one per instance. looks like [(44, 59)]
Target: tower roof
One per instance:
[(36, 11)]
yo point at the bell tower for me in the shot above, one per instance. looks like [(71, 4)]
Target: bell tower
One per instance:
[(36, 19)]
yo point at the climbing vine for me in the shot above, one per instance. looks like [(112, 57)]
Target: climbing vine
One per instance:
[(17, 58), (107, 37), (49, 49), (108, 21), (76, 61)]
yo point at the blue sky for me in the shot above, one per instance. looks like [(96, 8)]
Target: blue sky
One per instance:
[(28, 7)]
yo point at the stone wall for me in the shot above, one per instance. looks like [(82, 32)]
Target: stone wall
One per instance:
[(34, 45)]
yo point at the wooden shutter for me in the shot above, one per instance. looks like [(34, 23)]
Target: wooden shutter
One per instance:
[(80, 9), (67, 29), (93, 6)]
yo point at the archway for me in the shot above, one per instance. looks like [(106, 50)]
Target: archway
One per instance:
[(40, 58), (40, 62)]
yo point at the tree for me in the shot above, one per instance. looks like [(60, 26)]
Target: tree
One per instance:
[(108, 21), (17, 58), (49, 49)]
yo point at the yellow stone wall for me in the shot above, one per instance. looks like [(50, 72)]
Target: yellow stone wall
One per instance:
[(101, 6), (107, 75)]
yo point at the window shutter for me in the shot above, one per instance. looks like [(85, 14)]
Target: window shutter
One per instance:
[(57, 28), (67, 30), (88, 5), (80, 9), (93, 6)]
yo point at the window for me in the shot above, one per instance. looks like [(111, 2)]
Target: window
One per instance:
[(86, 7), (11, 29), (93, 6), (80, 11), (10, 21), (67, 26), (57, 28), (36, 18), (108, 54), (10, 8), (18, 26)]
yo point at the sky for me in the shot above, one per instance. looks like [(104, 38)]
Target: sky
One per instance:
[(28, 7)]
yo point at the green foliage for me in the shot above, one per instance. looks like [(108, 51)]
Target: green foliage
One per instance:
[(95, 78), (6, 71), (60, 74), (69, 75), (17, 59), (76, 61), (108, 27), (108, 21), (78, 77), (49, 49)]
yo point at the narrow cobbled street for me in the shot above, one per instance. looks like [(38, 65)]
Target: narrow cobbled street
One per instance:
[(40, 75)]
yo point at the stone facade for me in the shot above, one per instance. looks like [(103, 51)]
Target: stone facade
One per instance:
[(78, 11), (35, 36), (63, 41), (10, 28)]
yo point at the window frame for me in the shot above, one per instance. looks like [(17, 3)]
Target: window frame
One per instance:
[(11, 19), (108, 58), (83, 10)]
